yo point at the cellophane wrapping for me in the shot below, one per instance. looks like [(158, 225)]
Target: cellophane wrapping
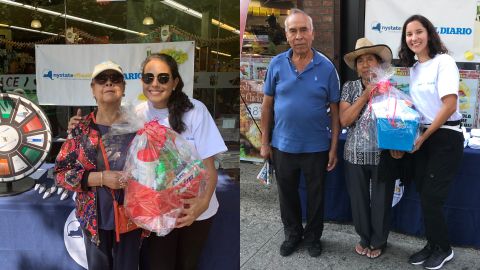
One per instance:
[(365, 133), (162, 170), (397, 121), (265, 175)]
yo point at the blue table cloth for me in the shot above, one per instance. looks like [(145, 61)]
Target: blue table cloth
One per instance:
[(32, 231)]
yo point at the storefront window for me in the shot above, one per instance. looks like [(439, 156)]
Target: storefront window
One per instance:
[(212, 24), (264, 38)]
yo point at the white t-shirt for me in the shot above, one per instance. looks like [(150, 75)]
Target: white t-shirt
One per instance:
[(201, 132), (432, 80)]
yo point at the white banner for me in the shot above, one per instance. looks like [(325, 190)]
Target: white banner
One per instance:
[(64, 71), (455, 22)]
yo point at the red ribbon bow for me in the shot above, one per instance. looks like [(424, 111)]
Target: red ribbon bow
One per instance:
[(383, 87)]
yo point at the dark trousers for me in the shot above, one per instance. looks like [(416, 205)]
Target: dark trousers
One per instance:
[(110, 255), (287, 171), (436, 164), (178, 250), (370, 207)]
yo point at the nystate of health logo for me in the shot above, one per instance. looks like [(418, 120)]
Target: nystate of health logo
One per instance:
[(50, 74), (377, 26), (53, 75), (73, 239), (442, 30)]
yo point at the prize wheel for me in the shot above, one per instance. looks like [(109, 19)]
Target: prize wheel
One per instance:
[(25, 140)]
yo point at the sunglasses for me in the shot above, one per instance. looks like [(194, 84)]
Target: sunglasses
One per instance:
[(103, 78), (162, 78)]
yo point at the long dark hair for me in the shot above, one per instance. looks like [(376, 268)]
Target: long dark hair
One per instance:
[(435, 44), (178, 103)]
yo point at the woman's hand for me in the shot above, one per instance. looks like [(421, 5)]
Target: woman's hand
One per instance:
[(113, 179), (192, 209), (75, 120), (368, 89), (418, 143), (350, 112), (396, 154)]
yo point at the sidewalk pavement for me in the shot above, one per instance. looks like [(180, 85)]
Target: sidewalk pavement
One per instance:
[(261, 235)]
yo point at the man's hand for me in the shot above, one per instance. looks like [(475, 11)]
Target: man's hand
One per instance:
[(75, 120), (332, 160), (266, 151)]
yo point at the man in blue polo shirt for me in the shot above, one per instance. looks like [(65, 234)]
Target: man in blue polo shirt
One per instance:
[(300, 86)]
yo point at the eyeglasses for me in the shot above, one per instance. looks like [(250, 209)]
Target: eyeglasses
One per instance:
[(162, 78), (102, 78)]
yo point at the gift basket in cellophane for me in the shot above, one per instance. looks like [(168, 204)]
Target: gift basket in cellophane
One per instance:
[(162, 170), (397, 121), (389, 120)]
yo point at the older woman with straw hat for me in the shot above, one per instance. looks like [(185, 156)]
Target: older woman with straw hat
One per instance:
[(370, 198)]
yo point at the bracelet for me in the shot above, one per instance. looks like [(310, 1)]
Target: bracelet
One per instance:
[(265, 144), (101, 178)]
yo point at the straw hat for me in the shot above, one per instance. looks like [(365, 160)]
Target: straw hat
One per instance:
[(364, 46)]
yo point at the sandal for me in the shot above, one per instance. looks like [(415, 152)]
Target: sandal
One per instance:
[(361, 250)]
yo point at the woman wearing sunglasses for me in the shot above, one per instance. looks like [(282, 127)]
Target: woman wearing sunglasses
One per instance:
[(91, 165), (162, 85)]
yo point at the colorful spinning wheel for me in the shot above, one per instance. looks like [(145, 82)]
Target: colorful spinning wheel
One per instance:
[(25, 137)]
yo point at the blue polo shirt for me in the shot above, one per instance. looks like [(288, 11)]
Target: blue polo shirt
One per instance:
[(301, 101)]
